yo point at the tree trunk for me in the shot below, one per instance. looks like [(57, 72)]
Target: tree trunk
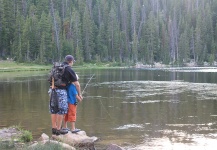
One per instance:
[(56, 31)]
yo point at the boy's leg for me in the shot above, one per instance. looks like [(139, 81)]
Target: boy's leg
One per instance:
[(72, 118), (73, 125)]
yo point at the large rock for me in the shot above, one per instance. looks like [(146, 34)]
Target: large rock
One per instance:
[(7, 134), (79, 140)]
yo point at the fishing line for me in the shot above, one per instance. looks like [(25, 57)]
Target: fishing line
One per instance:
[(99, 99), (105, 109)]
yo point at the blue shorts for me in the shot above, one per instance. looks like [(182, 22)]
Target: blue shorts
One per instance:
[(62, 102)]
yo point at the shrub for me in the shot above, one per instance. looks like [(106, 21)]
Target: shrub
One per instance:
[(26, 136)]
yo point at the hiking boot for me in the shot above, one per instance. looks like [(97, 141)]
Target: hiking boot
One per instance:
[(55, 131), (67, 129)]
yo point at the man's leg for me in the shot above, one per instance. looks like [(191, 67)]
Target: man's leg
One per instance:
[(59, 124), (54, 120), (65, 119), (63, 108), (54, 124), (59, 121)]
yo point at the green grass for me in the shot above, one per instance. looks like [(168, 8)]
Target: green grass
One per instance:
[(11, 66), (26, 136)]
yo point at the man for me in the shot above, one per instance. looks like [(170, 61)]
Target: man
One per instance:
[(68, 77)]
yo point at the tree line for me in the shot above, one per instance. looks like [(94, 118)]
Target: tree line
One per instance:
[(122, 31)]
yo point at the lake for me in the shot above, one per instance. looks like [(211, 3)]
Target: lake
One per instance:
[(134, 108)]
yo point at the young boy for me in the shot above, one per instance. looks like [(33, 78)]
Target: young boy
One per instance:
[(72, 107)]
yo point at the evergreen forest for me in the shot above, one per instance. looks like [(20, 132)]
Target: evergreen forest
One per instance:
[(122, 31)]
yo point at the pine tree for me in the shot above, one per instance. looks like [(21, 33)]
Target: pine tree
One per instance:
[(7, 27), (17, 43), (135, 48), (113, 34), (152, 38), (101, 48)]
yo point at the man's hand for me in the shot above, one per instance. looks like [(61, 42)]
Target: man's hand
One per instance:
[(81, 97)]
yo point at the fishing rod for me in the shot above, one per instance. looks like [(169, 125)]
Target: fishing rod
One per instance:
[(87, 84)]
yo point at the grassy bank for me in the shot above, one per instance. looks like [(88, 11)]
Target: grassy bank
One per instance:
[(11, 66)]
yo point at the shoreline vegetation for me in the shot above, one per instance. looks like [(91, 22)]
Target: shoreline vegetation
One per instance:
[(17, 138), (12, 66)]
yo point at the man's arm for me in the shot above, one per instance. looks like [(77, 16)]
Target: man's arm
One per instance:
[(78, 98), (78, 88)]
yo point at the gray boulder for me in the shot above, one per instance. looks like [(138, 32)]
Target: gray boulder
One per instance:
[(78, 140)]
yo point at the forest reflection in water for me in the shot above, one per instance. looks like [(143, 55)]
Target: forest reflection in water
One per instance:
[(136, 109)]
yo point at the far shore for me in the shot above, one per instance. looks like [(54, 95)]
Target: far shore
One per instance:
[(12, 66)]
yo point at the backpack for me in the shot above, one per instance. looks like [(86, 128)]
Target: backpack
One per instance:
[(57, 72)]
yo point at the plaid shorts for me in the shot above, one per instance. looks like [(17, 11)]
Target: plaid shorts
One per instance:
[(62, 102)]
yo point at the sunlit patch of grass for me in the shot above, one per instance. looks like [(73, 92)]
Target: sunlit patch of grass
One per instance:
[(26, 136), (9, 66)]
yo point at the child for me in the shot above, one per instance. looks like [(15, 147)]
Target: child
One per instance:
[(72, 107)]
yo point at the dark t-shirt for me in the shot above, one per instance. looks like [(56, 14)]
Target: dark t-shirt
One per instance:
[(69, 75)]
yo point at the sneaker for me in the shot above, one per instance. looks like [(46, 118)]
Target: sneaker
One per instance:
[(55, 131), (67, 129), (63, 131), (75, 131)]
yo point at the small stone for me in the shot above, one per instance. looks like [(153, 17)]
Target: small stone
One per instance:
[(44, 137)]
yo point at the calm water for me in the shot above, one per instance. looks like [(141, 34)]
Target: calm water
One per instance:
[(136, 109)]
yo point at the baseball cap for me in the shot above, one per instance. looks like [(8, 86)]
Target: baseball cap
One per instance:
[(69, 58)]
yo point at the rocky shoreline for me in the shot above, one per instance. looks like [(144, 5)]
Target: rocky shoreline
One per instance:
[(10, 139), (161, 65)]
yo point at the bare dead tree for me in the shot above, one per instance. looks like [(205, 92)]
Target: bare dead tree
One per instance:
[(192, 45), (89, 5), (172, 40), (24, 8), (155, 6), (123, 10), (143, 15), (56, 30), (63, 10), (133, 18), (99, 14)]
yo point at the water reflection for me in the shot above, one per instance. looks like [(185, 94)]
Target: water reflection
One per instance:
[(137, 109)]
